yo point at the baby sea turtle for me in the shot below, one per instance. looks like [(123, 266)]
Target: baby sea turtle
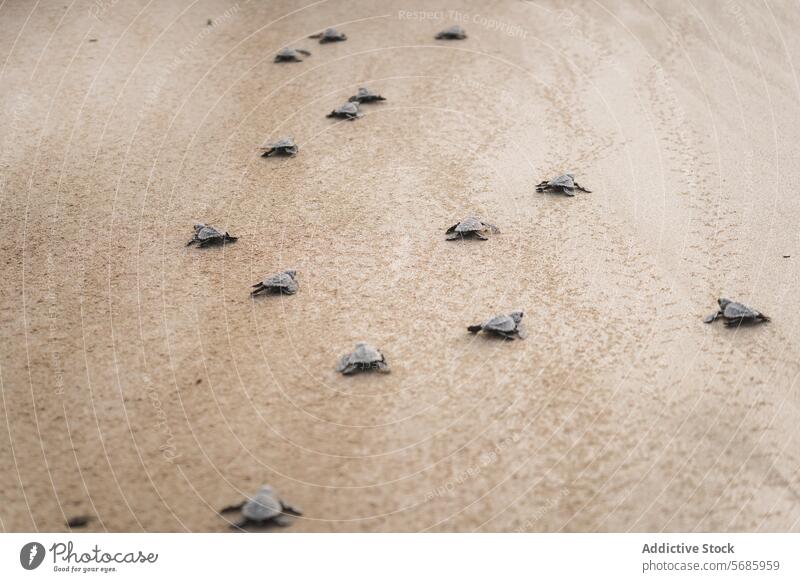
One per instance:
[(347, 111), (455, 32), (470, 227), (290, 55), (565, 183), (283, 283), (364, 95), (264, 508), (329, 35), (205, 235), (735, 313), (283, 147), (506, 326), (364, 357), (78, 521)]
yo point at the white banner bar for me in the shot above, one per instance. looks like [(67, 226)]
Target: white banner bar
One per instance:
[(401, 557)]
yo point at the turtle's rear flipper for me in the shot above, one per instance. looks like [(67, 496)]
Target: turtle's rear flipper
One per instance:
[(763, 318), (474, 328)]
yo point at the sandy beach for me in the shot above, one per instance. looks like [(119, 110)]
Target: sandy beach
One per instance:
[(144, 387)]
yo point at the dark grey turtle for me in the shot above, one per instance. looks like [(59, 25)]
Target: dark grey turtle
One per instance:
[(205, 235), (284, 283), (506, 326), (364, 357), (470, 227), (329, 35), (565, 183), (455, 32), (290, 55), (283, 147), (264, 508), (78, 521), (735, 314), (347, 111), (364, 95)]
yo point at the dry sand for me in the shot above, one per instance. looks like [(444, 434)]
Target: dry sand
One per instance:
[(143, 386)]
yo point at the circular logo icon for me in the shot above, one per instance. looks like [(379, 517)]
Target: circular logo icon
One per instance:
[(31, 555)]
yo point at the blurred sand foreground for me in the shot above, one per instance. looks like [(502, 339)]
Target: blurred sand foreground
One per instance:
[(143, 386)]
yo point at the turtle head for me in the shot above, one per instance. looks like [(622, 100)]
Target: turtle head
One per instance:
[(516, 316), (198, 226), (723, 303), (291, 273)]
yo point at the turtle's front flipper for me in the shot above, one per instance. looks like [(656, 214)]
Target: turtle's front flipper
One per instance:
[(290, 509), (712, 317), (237, 507), (479, 235), (581, 188), (241, 525)]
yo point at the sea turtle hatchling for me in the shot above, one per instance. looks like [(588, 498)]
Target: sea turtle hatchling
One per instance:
[(364, 95), (455, 32), (283, 147), (329, 35), (565, 183), (264, 508), (284, 283), (205, 235), (470, 227), (347, 111), (290, 55), (735, 313), (364, 357), (506, 326)]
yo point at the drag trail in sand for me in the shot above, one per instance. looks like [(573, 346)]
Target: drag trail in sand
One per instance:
[(142, 385)]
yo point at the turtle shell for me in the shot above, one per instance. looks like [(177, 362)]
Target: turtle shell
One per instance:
[(364, 356), (504, 323), (331, 35), (364, 95), (263, 505), (349, 109), (734, 310), (207, 232), (453, 32), (284, 280), (563, 181), (470, 224)]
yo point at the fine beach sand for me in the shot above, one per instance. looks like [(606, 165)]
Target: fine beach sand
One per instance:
[(143, 386)]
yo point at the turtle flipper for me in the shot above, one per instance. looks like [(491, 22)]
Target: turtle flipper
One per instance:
[(475, 328), (230, 508), (712, 317)]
